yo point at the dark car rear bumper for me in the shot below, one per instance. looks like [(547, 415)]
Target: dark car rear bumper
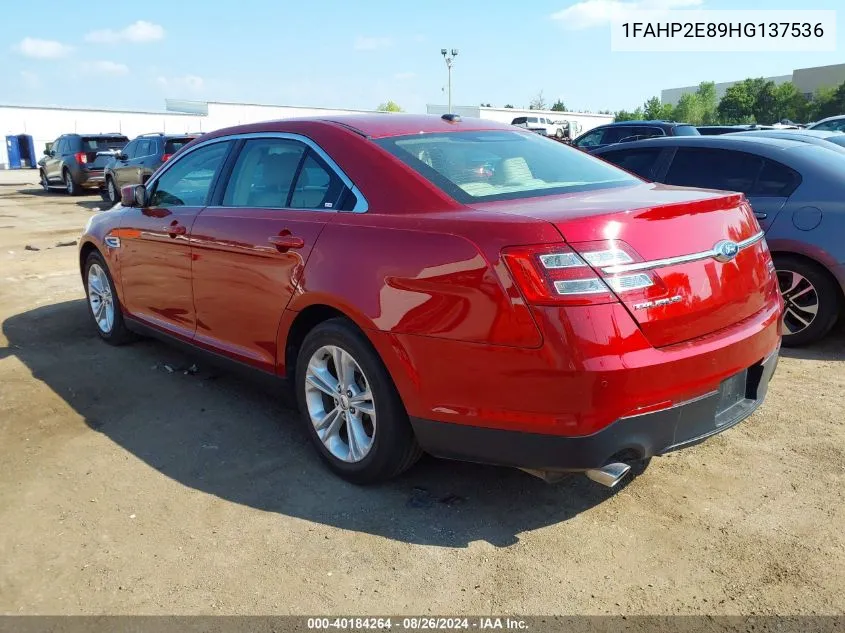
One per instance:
[(639, 436)]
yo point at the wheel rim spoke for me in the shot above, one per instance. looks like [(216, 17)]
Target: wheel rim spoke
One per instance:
[(340, 403), (322, 380), (100, 298)]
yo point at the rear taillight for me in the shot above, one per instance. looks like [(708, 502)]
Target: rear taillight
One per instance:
[(562, 274), (81, 158), (165, 158)]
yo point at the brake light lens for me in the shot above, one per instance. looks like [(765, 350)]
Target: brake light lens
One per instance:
[(81, 157), (166, 157), (563, 274)]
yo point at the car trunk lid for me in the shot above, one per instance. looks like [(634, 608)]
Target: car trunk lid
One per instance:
[(677, 233)]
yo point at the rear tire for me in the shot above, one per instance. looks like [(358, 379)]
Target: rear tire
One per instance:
[(559, 133), (813, 300), (70, 186), (103, 302), (364, 437)]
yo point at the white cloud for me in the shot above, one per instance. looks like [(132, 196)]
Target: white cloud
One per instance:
[(372, 43), (190, 83), (403, 76), (140, 31), (110, 68), (42, 49), (592, 13), (30, 79)]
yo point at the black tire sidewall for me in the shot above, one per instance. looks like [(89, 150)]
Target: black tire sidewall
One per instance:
[(393, 430), (119, 334), (110, 184), (45, 185), (830, 300), (68, 179)]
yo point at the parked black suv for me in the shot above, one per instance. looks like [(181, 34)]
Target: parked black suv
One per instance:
[(73, 163), (136, 162), (625, 131)]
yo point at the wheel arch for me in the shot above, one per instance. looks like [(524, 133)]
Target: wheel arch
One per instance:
[(296, 324)]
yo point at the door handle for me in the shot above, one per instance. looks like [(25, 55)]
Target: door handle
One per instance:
[(760, 216), (175, 229), (285, 242)]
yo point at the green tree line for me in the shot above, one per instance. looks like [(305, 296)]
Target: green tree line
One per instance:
[(750, 101)]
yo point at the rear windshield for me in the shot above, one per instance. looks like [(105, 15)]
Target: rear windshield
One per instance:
[(98, 143), (686, 130), (492, 165), (173, 145)]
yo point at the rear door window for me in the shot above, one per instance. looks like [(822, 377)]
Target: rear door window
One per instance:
[(642, 162), (775, 180), (727, 170), (316, 186), (264, 174)]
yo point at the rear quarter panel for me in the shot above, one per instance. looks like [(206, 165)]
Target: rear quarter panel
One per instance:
[(432, 275)]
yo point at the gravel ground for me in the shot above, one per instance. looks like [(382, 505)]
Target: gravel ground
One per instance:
[(128, 489)]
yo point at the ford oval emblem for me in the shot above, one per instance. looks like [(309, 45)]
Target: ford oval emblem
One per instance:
[(725, 251)]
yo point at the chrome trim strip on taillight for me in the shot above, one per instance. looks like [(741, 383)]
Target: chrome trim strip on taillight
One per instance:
[(680, 259)]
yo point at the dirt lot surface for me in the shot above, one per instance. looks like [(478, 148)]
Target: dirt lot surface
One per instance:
[(125, 488)]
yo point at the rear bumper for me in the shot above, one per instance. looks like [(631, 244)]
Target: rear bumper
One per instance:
[(637, 436)]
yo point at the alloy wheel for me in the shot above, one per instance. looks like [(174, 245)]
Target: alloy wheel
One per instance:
[(801, 301), (44, 184), (340, 403), (112, 192), (68, 183), (100, 298)]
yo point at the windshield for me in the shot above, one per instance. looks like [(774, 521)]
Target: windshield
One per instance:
[(173, 145), (100, 143), (686, 130), (477, 166)]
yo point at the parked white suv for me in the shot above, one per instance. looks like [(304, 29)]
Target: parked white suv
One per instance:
[(541, 125)]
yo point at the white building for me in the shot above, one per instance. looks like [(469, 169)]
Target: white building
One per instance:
[(585, 120), (47, 124)]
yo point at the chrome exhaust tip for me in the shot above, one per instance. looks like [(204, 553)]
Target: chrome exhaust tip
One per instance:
[(609, 475)]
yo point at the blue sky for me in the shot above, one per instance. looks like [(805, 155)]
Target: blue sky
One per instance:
[(338, 53)]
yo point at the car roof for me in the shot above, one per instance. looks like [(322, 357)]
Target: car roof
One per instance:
[(649, 122), (388, 124), (831, 118), (107, 134), (733, 141), (822, 134)]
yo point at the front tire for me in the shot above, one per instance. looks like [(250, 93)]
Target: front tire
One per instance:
[(351, 408), (112, 195), (45, 184), (812, 300), (70, 186), (103, 303)]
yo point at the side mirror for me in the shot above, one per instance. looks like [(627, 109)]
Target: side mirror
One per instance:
[(133, 196), (47, 152), (121, 156)]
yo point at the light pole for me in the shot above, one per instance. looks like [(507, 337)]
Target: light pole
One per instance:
[(449, 59)]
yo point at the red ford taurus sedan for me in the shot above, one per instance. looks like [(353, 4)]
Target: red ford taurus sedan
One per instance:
[(453, 286)]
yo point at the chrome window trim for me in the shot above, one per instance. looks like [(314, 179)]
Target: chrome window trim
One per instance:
[(361, 205), (680, 259)]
